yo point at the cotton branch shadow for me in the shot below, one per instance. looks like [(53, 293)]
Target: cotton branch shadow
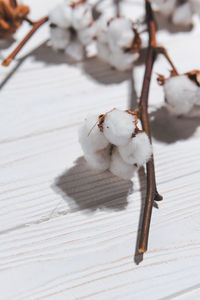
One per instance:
[(164, 23), (47, 55), (169, 129), (85, 189), (102, 72)]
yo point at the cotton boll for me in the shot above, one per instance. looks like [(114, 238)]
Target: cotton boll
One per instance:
[(61, 15), (137, 151), (60, 38), (104, 52), (118, 127), (166, 7), (99, 160), (86, 35), (119, 167), (180, 93), (90, 137), (183, 15), (81, 16), (123, 61), (76, 50), (120, 34), (195, 5), (101, 29)]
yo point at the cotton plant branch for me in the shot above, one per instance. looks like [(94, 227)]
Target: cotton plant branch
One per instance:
[(151, 194), (35, 26)]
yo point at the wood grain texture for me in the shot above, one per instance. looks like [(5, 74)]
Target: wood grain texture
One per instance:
[(70, 233)]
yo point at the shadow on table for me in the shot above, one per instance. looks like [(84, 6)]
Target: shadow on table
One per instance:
[(85, 189), (103, 72), (169, 129)]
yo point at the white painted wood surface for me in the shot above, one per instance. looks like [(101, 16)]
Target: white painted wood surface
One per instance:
[(67, 232)]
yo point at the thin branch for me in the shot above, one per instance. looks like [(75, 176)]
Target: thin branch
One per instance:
[(34, 28), (152, 193), (163, 51)]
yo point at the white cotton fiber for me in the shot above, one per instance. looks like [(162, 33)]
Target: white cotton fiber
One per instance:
[(60, 38), (166, 7), (119, 167), (90, 137), (99, 160), (81, 16), (86, 35), (61, 15), (75, 50), (118, 127), (180, 94), (123, 61), (137, 151), (101, 29), (104, 52), (183, 15), (120, 34)]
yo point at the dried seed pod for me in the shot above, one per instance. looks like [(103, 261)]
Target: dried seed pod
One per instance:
[(11, 17)]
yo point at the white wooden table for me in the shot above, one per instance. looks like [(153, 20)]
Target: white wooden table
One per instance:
[(67, 232)]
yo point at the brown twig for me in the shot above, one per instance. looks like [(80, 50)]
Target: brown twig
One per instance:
[(34, 28), (152, 193), (163, 51)]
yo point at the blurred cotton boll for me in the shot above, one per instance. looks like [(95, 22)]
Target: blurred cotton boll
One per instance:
[(118, 43), (71, 28), (183, 15)]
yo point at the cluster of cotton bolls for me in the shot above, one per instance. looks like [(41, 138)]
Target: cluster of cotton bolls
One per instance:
[(182, 93), (118, 42), (180, 12), (71, 28), (114, 142)]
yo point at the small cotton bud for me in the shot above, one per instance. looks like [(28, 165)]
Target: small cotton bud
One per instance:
[(137, 151), (86, 35), (61, 15), (183, 15), (120, 34), (99, 160), (81, 16), (75, 50), (119, 167), (165, 7), (118, 127), (90, 137), (180, 94), (60, 38)]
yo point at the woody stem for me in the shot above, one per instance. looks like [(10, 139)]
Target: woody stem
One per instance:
[(152, 193), (163, 51), (34, 28)]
